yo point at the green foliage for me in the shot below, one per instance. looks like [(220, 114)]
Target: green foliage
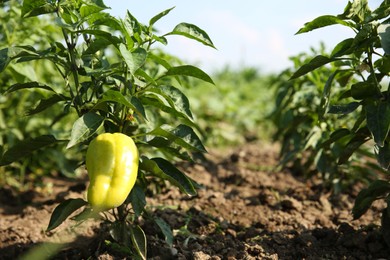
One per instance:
[(94, 73), (314, 121), (63, 211), (352, 84), (235, 109), (15, 125)]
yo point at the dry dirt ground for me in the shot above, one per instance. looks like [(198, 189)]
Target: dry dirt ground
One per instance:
[(245, 210)]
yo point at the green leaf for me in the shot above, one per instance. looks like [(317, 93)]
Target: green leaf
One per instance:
[(335, 136), (343, 109), (321, 161), (29, 53), (356, 141), (146, 77), (89, 9), (4, 59), (159, 142), (382, 11), (165, 170), (139, 58), (159, 60), (37, 7), (87, 213), (366, 197), (131, 29), (342, 48), (384, 35), (163, 145), (132, 24), (322, 21), (182, 135), (160, 39), (361, 118), (138, 200), (193, 32), (378, 120), (84, 128), (138, 107), (139, 241), (100, 3), (8, 54), (46, 103), (158, 102), (179, 177), (359, 10), (26, 147), (325, 99), (190, 71), (118, 97), (383, 156), (28, 85), (135, 59), (97, 45), (101, 35), (109, 21), (313, 137), (315, 63), (364, 38), (166, 230), (383, 64), (174, 97), (63, 211), (127, 57), (159, 16), (23, 52)]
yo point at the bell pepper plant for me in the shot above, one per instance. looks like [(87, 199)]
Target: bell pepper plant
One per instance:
[(120, 103)]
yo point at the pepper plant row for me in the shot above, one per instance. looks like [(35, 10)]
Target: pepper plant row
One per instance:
[(334, 112)]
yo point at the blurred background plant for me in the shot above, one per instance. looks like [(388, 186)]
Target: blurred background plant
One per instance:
[(16, 107), (235, 110)]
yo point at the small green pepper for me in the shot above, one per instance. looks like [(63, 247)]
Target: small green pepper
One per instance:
[(112, 165)]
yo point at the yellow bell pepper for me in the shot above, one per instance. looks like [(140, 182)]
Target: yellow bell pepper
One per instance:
[(112, 165)]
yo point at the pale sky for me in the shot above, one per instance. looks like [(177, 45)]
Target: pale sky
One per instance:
[(246, 33)]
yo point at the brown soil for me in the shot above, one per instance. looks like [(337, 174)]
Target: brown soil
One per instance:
[(245, 210)]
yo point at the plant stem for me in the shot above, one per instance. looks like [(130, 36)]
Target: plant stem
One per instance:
[(372, 69), (122, 214), (73, 68)]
